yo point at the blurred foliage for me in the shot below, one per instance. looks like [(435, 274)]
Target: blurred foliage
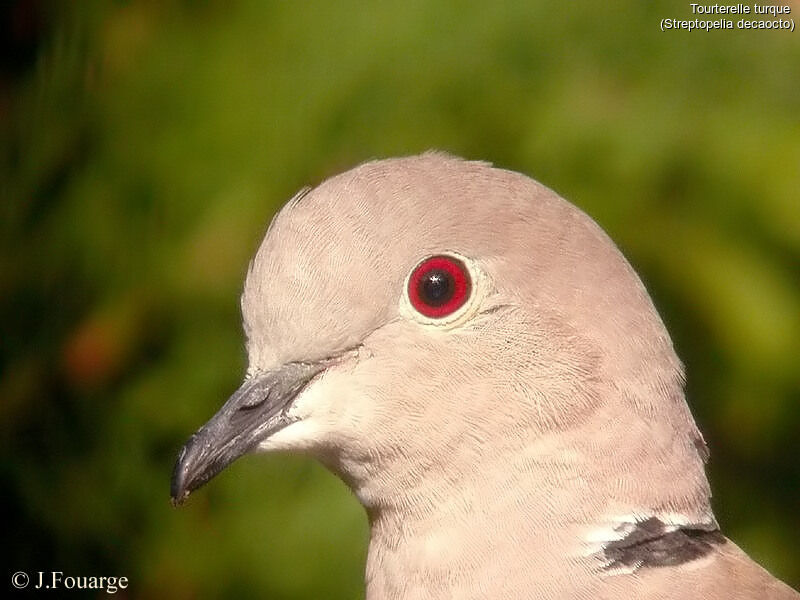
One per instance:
[(145, 146)]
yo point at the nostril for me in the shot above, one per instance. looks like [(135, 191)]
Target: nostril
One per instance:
[(251, 405)]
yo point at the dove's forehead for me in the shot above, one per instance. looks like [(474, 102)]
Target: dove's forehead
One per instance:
[(332, 265)]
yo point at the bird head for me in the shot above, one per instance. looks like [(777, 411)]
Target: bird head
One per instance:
[(430, 318)]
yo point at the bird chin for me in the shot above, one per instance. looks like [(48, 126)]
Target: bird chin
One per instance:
[(298, 435)]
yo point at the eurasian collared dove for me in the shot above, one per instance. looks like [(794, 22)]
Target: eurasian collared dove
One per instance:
[(479, 363)]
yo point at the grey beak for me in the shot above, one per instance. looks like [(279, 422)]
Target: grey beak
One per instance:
[(254, 412)]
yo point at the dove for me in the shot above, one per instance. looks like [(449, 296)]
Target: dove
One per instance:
[(473, 356)]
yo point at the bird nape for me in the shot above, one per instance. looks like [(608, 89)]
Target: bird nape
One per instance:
[(481, 365)]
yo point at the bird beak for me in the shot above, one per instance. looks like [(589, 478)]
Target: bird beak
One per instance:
[(254, 412)]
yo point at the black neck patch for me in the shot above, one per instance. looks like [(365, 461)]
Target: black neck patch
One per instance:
[(654, 544)]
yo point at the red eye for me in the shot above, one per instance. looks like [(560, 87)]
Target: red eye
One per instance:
[(439, 286)]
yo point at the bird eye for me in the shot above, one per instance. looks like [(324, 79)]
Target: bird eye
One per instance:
[(439, 286)]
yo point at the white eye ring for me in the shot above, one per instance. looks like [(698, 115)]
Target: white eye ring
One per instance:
[(478, 287)]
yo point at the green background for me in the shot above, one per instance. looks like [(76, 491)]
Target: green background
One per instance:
[(146, 145)]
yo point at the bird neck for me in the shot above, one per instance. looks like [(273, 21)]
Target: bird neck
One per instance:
[(433, 542), (520, 518)]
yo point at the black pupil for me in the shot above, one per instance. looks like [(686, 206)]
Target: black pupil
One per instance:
[(436, 287)]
